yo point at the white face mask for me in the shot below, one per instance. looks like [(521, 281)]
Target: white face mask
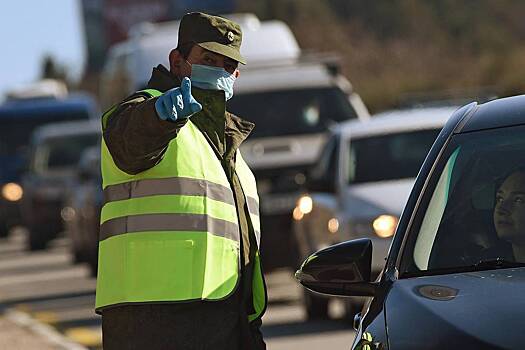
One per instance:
[(212, 78)]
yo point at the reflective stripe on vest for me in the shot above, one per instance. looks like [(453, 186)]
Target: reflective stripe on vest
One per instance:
[(169, 222), (175, 185)]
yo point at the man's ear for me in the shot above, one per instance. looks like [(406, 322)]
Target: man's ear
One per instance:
[(237, 73), (175, 61)]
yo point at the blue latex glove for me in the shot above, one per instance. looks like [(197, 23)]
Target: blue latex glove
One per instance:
[(177, 103)]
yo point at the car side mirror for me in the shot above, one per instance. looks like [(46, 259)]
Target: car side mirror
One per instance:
[(343, 269), (89, 165), (322, 176)]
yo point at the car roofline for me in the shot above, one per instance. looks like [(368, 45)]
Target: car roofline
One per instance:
[(396, 121)]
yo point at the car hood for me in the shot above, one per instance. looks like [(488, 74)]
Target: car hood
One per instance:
[(376, 198), (476, 310)]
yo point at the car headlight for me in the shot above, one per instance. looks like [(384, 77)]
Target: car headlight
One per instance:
[(12, 192), (333, 225), (385, 225), (305, 204), (68, 213)]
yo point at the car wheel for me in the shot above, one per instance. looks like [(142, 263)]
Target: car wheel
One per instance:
[(93, 267), (37, 239), (316, 306), (4, 229), (79, 256)]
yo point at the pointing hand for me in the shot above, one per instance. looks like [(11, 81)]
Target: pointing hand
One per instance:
[(177, 103)]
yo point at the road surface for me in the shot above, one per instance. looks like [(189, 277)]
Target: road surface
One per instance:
[(47, 288)]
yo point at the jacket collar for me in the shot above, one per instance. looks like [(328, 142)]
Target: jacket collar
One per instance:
[(162, 79)]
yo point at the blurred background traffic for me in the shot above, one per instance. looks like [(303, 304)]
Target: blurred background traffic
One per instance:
[(347, 97)]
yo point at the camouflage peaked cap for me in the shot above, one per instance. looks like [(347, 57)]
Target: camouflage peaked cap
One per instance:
[(213, 33)]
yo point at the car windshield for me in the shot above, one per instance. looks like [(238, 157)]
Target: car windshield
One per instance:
[(472, 215), (62, 153), (292, 112), (389, 157)]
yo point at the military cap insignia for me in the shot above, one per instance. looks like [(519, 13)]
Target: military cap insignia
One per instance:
[(230, 36)]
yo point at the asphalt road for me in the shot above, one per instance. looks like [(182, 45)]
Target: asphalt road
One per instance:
[(51, 290)]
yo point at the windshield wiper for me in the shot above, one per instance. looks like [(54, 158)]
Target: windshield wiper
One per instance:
[(500, 263), (486, 264)]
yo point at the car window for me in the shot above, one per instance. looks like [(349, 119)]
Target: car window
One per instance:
[(388, 157), (289, 112), (473, 209)]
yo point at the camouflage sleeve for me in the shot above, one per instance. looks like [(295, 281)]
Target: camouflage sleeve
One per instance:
[(136, 137)]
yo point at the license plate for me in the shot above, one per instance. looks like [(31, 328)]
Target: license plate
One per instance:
[(278, 204)]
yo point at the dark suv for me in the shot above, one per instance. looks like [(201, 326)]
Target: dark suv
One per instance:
[(55, 153)]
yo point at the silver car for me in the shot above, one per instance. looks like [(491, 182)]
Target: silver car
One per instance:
[(361, 183)]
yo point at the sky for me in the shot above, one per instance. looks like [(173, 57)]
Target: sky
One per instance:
[(33, 28)]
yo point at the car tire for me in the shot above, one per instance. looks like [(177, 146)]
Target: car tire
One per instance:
[(4, 229), (93, 267), (79, 256), (37, 239), (316, 306)]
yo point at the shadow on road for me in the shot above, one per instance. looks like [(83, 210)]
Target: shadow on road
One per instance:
[(304, 327)]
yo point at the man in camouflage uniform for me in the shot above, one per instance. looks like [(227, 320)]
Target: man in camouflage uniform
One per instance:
[(137, 134)]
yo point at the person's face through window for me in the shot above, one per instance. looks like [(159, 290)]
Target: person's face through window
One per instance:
[(509, 211)]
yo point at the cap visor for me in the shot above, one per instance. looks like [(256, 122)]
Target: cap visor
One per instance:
[(223, 50)]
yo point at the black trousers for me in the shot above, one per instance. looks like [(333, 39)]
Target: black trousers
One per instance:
[(213, 325)]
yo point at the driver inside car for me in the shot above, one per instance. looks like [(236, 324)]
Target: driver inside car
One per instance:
[(507, 240), (509, 218)]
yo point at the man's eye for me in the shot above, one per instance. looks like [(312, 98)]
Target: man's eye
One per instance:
[(499, 199), (518, 200)]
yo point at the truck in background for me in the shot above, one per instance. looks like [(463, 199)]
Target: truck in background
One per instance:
[(292, 98), (293, 106), (129, 63)]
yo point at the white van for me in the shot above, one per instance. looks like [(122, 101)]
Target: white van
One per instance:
[(129, 63)]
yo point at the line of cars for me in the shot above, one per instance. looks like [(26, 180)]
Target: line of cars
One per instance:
[(458, 255), (43, 141), (20, 115), (292, 110)]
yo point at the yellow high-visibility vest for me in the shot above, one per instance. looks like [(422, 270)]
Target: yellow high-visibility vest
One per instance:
[(171, 233)]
